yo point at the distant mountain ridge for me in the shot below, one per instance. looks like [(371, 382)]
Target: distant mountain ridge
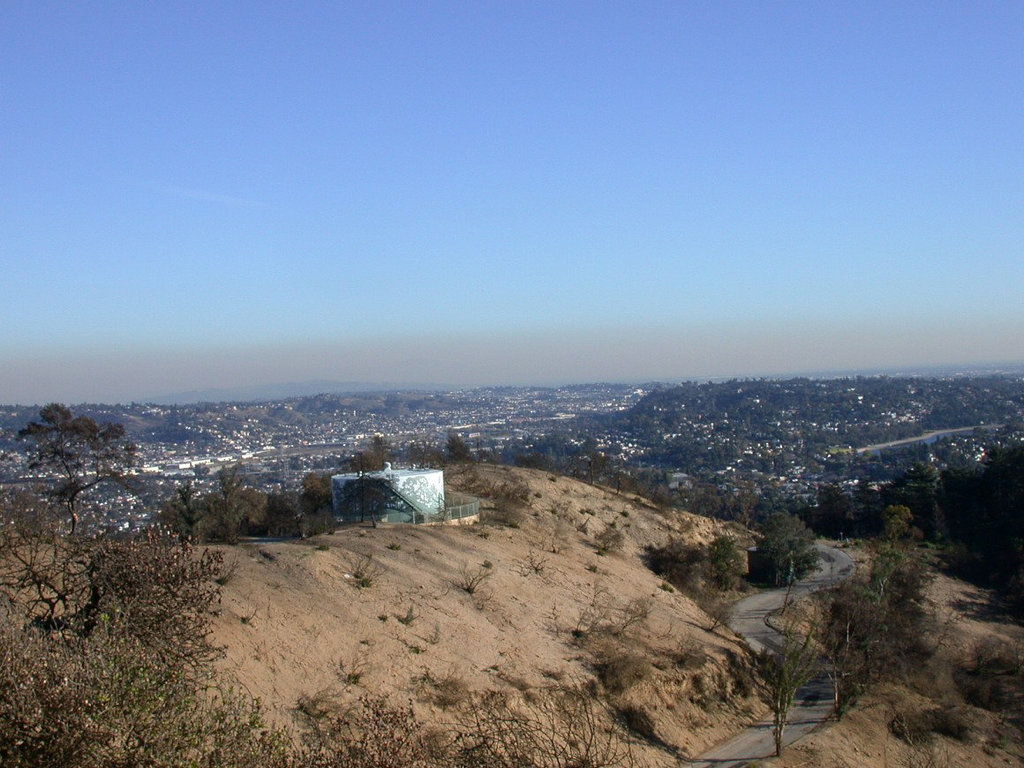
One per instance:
[(281, 391), (285, 390)]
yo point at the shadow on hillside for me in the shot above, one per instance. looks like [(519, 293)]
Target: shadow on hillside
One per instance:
[(980, 605)]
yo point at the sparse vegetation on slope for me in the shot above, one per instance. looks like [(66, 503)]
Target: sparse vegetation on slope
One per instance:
[(957, 701), (519, 608)]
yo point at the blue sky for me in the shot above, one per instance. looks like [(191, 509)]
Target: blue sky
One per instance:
[(214, 194)]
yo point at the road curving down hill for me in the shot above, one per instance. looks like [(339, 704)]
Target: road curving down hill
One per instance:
[(813, 704)]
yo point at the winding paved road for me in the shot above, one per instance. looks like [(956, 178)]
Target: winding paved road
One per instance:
[(813, 703)]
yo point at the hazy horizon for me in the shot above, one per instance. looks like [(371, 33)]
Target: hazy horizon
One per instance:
[(124, 376), (215, 196)]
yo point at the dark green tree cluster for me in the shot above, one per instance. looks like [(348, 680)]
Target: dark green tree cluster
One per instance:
[(231, 510), (983, 510), (859, 513), (457, 450), (786, 548), (976, 511), (917, 490)]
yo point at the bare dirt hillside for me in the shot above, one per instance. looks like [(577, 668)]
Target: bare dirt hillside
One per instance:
[(549, 590)]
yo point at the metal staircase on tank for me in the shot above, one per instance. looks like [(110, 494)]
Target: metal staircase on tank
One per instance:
[(406, 505)]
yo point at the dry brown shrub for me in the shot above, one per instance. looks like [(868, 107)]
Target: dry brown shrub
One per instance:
[(954, 722), (150, 588), (610, 540), (363, 569), (558, 538), (521, 684), (927, 756), (449, 691), (351, 670), (682, 564), (564, 728), (991, 677), (638, 720), (688, 654), (375, 734), (318, 708), (716, 607), (997, 656), (509, 489), (619, 669), (470, 579), (533, 564), (633, 614), (602, 616), (913, 726), (505, 515), (985, 691)]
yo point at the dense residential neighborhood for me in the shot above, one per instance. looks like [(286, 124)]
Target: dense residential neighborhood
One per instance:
[(774, 438), (274, 511)]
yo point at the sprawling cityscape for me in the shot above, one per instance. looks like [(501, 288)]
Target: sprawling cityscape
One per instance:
[(779, 439)]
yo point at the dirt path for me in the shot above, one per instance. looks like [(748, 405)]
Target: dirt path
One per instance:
[(814, 701)]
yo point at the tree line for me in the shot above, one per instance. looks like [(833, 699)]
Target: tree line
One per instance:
[(974, 514)]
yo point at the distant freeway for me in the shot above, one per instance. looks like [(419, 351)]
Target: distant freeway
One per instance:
[(927, 437)]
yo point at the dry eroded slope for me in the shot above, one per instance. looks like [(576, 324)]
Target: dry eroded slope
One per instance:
[(550, 609)]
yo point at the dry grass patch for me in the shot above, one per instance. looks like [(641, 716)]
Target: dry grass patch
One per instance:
[(448, 691)]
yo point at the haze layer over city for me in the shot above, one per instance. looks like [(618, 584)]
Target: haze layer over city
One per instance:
[(201, 198)]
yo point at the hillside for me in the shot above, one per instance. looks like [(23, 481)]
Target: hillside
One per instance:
[(310, 626), (526, 602), (963, 706)]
